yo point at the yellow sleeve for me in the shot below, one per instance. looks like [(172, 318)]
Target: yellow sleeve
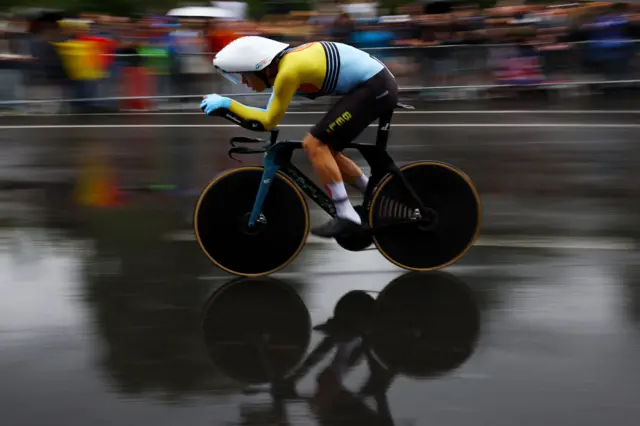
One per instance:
[(284, 88)]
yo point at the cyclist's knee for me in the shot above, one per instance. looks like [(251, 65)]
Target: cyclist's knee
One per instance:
[(339, 155), (312, 145)]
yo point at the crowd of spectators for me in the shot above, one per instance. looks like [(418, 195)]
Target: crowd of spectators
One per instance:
[(91, 57)]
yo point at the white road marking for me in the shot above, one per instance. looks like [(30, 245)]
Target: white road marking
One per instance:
[(416, 125), (512, 241), (401, 112)]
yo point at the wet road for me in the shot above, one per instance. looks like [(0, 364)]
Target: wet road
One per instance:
[(111, 314)]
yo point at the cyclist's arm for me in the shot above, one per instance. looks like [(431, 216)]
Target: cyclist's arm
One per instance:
[(284, 88)]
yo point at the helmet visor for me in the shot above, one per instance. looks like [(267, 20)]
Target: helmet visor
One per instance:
[(235, 78)]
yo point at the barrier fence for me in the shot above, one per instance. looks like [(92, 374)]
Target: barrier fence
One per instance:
[(456, 71)]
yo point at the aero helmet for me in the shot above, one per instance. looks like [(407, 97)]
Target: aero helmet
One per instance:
[(246, 54)]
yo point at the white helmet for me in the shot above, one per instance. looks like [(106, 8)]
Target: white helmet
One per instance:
[(246, 54)]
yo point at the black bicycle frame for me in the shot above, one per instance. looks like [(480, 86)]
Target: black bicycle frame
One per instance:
[(278, 159)]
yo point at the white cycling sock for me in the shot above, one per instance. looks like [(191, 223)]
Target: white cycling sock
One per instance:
[(361, 183), (344, 209)]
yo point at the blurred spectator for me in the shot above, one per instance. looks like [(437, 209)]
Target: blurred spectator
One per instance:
[(47, 78), (189, 44), (85, 56), (14, 60), (611, 48), (157, 54), (342, 29)]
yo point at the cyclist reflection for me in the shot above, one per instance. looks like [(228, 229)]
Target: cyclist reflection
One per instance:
[(421, 325)]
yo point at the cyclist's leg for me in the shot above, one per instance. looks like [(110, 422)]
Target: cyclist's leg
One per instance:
[(325, 166), (342, 124), (351, 173)]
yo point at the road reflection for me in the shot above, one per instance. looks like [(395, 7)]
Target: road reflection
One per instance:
[(101, 302), (421, 325)]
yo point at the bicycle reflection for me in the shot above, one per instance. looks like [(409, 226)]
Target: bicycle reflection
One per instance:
[(421, 325)]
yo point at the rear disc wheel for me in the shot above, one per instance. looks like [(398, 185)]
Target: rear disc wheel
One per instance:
[(456, 212)]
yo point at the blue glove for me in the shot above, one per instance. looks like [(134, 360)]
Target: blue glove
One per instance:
[(214, 102)]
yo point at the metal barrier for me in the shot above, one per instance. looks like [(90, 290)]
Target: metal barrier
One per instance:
[(509, 65), (457, 71)]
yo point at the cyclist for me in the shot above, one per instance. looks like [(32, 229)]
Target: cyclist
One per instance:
[(368, 90)]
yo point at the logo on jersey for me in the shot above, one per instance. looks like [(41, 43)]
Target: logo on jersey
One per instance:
[(339, 122)]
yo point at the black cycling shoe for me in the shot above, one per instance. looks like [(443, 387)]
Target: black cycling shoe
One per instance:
[(335, 227)]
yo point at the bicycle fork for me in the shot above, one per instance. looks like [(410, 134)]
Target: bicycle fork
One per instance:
[(270, 170)]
